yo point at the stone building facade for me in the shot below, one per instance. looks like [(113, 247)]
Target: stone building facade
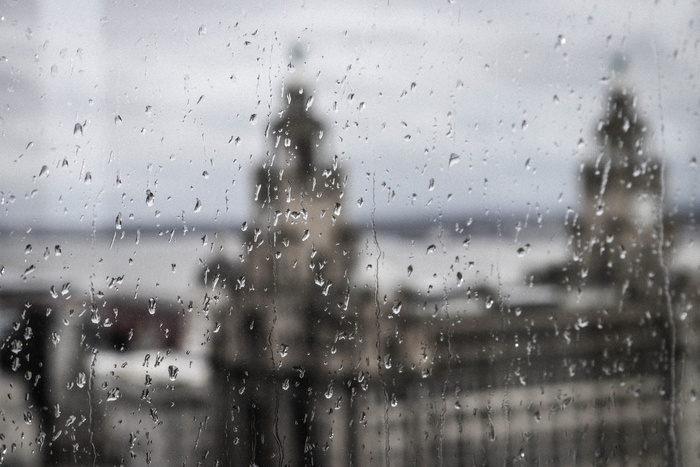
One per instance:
[(317, 370), (283, 350), (622, 222)]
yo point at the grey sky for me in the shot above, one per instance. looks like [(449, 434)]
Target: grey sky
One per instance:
[(164, 89)]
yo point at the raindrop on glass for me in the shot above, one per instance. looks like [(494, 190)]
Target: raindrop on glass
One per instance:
[(284, 350), (454, 159), (113, 394)]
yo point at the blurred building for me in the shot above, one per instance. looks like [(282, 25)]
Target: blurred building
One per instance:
[(82, 374), (284, 347), (623, 230), (579, 366), (319, 345)]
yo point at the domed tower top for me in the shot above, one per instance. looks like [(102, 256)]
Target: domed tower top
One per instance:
[(297, 132), (621, 130), (622, 200)]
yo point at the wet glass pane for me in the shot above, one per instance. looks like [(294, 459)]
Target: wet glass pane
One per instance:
[(349, 234)]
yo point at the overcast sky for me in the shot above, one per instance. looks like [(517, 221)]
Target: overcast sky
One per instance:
[(174, 98)]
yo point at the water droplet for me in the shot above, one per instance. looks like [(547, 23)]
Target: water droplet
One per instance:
[(150, 198), (489, 302), (409, 270), (81, 380), (173, 372), (78, 128), (394, 402), (95, 315), (16, 346), (694, 162), (253, 118), (284, 350), (561, 40), (431, 184), (27, 249), (396, 308), (113, 394), (454, 159), (28, 271), (118, 120), (538, 416), (151, 306), (492, 432), (44, 172), (197, 205), (431, 249), (118, 221), (329, 391), (523, 250), (285, 384)]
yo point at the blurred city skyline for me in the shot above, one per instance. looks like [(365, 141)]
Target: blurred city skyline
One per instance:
[(478, 263), (441, 109)]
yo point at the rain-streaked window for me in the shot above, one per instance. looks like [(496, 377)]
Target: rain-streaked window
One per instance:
[(356, 233)]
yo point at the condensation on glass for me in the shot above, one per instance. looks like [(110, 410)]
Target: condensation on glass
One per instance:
[(358, 234)]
